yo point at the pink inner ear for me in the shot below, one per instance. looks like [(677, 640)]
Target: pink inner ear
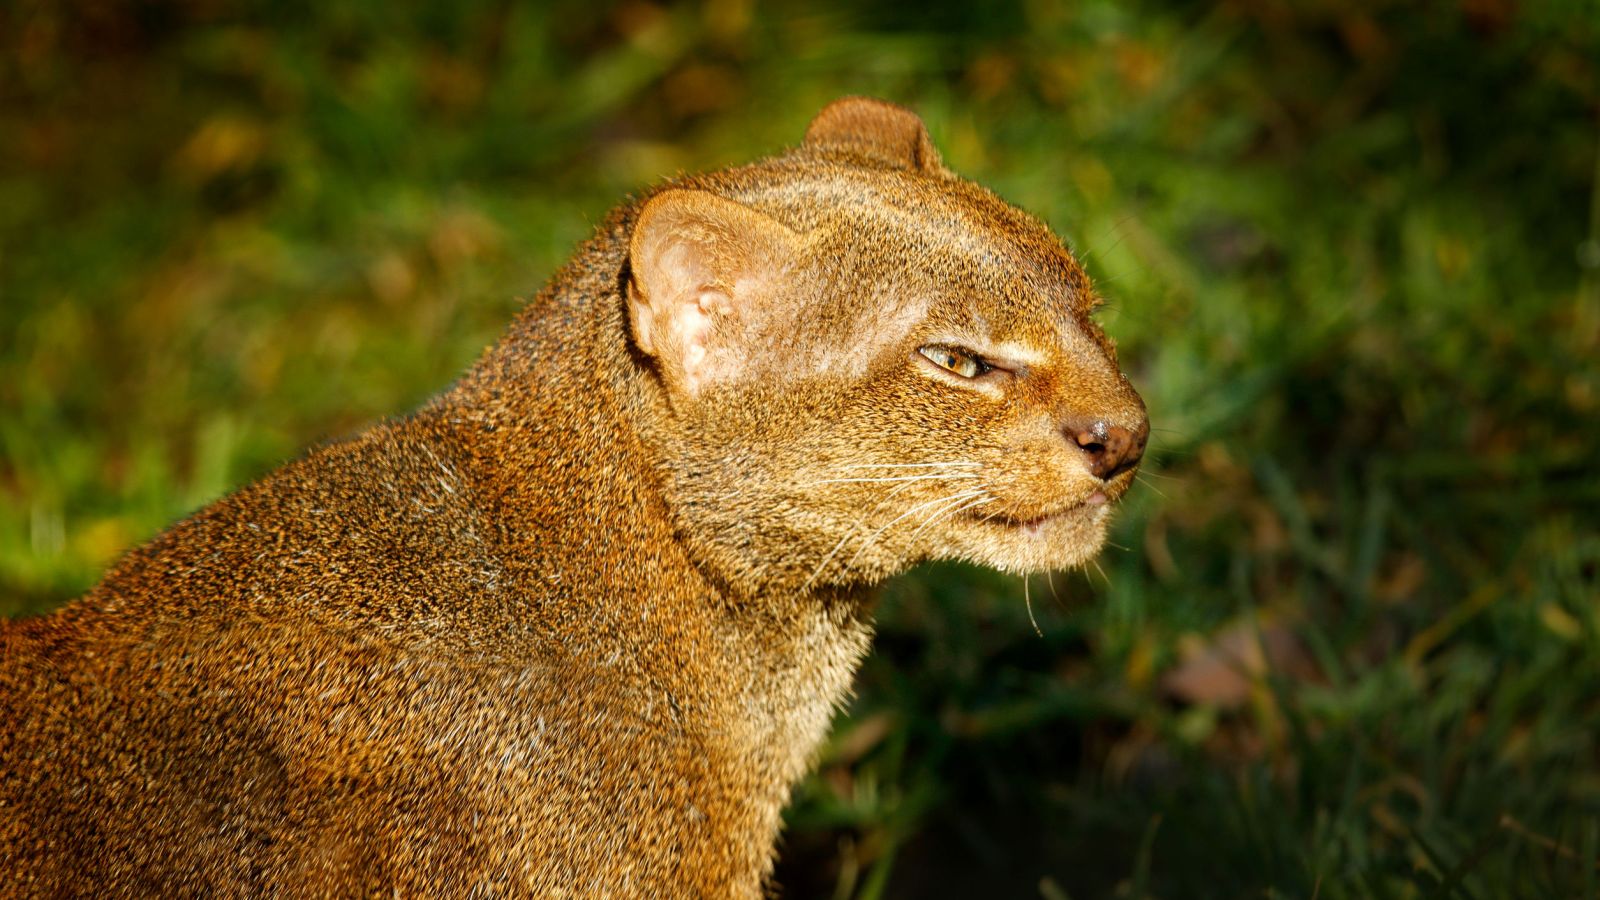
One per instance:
[(684, 308), (700, 263), (680, 313), (691, 333), (715, 303)]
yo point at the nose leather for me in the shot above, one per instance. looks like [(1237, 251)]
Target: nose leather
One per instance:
[(1110, 449)]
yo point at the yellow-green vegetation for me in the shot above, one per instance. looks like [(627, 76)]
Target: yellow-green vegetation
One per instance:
[(1348, 644)]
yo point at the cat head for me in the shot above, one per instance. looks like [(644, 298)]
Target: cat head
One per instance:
[(865, 361)]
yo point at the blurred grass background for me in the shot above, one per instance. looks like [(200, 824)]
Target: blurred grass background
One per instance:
[(1348, 643)]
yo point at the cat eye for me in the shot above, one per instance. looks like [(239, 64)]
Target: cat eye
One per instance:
[(955, 360)]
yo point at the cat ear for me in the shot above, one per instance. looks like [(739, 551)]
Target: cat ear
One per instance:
[(878, 129), (704, 268)]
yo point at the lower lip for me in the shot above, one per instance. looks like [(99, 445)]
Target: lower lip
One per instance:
[(1037, 526), (1088, 507)]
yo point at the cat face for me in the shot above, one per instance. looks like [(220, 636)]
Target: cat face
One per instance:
[(1030, 432), (870, 365)]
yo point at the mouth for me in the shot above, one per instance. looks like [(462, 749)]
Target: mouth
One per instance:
[(1085, 510), (1082, 511), (1048, 536)]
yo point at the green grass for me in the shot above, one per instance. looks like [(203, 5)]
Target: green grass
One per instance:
[(1353, 254)]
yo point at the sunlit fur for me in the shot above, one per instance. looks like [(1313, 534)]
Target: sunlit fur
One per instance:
[(578, 625), (887, 260)]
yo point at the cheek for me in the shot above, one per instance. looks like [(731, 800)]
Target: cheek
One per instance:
[(921, 411)]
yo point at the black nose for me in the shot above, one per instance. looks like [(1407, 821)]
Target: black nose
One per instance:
[(1111, 449)]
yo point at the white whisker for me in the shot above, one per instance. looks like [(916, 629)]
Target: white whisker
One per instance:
[(895, 490), (1104, 577), (928, 465), (930, 477), (831, 554), (958, 498), (1027, 600), (1142, 480), (951, 513), (872, 537)]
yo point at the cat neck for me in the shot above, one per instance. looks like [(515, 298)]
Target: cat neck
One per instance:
[(557, 418)]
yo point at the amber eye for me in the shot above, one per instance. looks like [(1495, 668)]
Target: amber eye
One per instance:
[(954, 360)]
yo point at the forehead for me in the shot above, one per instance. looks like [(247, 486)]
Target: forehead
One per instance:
[(973, 264), (907, 247)]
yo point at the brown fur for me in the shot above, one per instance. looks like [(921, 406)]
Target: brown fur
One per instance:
[(578, 625)]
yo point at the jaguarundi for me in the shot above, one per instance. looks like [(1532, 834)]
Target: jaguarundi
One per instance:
[(577, 625)]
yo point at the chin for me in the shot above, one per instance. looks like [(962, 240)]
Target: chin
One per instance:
[(1062, 541)]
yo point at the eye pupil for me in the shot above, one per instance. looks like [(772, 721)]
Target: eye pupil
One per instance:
[(955, 361)]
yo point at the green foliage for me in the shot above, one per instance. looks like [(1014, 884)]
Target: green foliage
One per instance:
[(1348, 644)]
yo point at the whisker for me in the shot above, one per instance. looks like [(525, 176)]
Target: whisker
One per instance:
[(846, 539), (927, 465), (897, 489), (951, 512), (944, 476), (946, 508), (986, 499), (981, 499), (831, 554), (1103, 576), (1027, 600), (958, 497), (894, 491), (1159, 492)]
